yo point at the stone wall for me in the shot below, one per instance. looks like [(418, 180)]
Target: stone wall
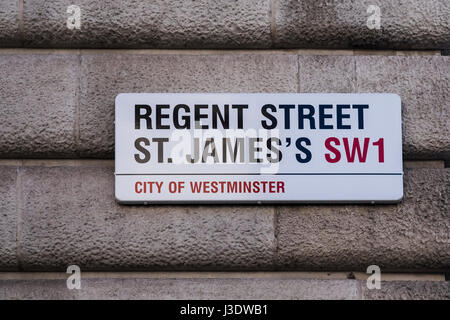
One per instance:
[(225, 24), (57, 90)]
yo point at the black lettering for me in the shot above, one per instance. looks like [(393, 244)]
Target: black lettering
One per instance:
[(240, 116), (233, 151), (323, 116), (160, 142), (360, 108), (224, 119), (160, 116), (254, 149), (198, 116), (287, 114), (139, 147), (176, 120), (303, 149), (302, 116), (340, 116), (210, 150), (274, 149)]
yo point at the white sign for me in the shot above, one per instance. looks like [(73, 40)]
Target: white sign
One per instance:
[(223, 147)]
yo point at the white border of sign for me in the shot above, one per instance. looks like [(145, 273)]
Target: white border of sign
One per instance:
[(315, 182)]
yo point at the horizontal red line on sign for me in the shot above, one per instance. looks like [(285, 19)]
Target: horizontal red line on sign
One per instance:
[(260, 174)]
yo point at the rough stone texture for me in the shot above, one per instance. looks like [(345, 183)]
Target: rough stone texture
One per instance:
[(149, 24), (9, 23), (38, 99), (438, 164), (36, 290), (104, 76), (220, 288), (182, 289), (70, 217), (239, 289), (8, 218), (406, 24), (409, 290), (422, 83), (413, 235)]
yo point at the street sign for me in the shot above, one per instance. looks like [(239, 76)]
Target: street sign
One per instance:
[(258, 147)]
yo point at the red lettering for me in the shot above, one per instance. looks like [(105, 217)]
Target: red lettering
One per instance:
[(214, 187), (356, 147), (280, 186), (196, 186), (136, 187), (206, 187), (332, 149), (380, 145), (272, 187), (172, 187)]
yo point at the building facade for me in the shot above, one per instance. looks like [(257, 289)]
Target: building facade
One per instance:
[(63, 62)]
